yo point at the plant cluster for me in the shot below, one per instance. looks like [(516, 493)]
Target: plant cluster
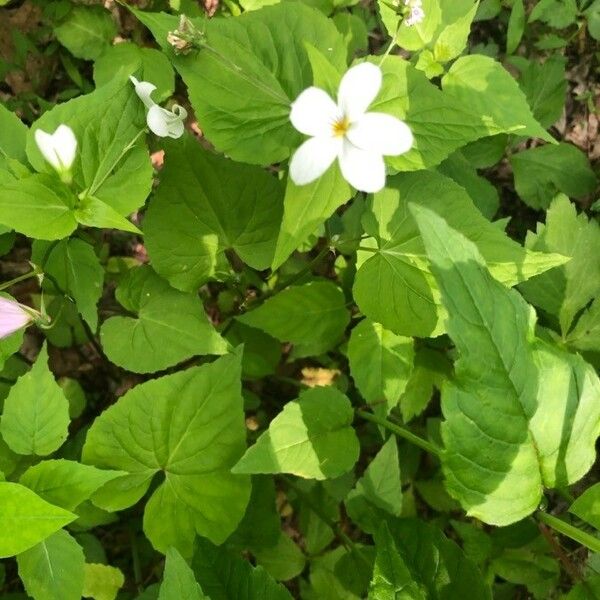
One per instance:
[(299, 299)]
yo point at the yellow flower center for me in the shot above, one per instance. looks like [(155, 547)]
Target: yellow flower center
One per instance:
[(341, 126)]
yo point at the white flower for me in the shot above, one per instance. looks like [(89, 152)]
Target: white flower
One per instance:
[(346, 131), (416, 15), (58, 148), (162, 122), (13, 316)]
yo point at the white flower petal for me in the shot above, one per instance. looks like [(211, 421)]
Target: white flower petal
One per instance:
[(58, 148), (381, 133), (362, 169), (313, 158), (143, 89), (12, 317), (358, 88), (314, 112), (164, 123)]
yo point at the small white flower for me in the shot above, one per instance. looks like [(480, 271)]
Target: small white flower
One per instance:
[(346, 131), (416, 15), (162, 122), (13, 316), (58, 148)]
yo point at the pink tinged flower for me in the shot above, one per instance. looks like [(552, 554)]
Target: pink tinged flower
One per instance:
[(161, 122), (58, 148), (13, 317), (347, 132), (416, 16)]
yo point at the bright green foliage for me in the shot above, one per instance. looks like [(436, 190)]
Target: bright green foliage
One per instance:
[(313, 313), (586, 333), (241, 88), (417, 559), (227, 577), (312, 438), (12, 137), (39, 206), (179, 420), (170, 326), (87, 31), (147, 64), (26, 519), (53, 569), (380, 363), (378, 493), (556, 13), (101, 582), (489, 90), (179, 582), (112, 161), (542, 172), (75, 268), (204, 206), (565, 290), (587, 506), (36, 413), (394, 285), (514, 401), (66, 483), (284, 560)]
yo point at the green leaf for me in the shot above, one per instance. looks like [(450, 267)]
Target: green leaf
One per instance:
[(74, 266), (437, 566), (53, 569), (262, 352), (305, 208), (93, 212), (35, 419), (452, 39), (519, 414), (102, 582), (39, 206), (87, 31), (283, 561), (112, 162), (556, 13), (170, 327), (178, 420), (378, 493), (565, 290), (380, 363), (26, 519), (585, 335), (227, 577), (241, 84), (394, 285), (12, 138), (206, 204), (545, 85), (516, 26), (120, 61), (587, 506), (412, 37), (493, 95), (179, 582), (313, 313), (312, 437), (66, 483), (542, 172), (392, 579), (592, 14)]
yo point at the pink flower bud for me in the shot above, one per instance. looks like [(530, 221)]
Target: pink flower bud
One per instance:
[(13, 317)]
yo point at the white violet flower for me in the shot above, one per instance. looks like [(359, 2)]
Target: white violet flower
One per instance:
[(346, 131), (162, 122), (13, 316), (59, 149), (416, 15)]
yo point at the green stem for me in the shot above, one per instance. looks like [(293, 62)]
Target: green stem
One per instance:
[(137, 565), (7, 284), (306, 269), (399, 431), (389, 48), (576, 534)]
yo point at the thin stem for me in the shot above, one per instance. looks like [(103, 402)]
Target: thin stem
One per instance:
[(569, 567), (389, 48), (306, 269), (137, 566), (576, 534), (399, 431), (7, 284)]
